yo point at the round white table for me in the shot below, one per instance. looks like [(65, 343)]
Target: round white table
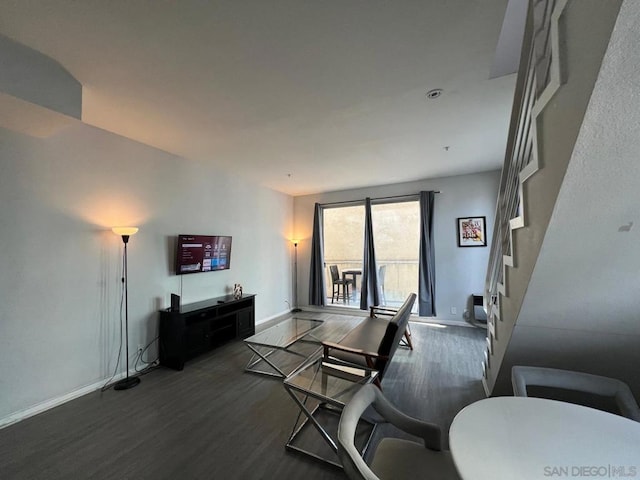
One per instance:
[(516, 438)]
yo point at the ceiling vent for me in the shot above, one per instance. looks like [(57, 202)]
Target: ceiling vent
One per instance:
[(435, 93)]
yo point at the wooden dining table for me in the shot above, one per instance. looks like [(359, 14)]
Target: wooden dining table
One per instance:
[(353, 272), (507, 438)]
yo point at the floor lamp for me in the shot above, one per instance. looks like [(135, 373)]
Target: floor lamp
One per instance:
[(295, 278), (127, 382)]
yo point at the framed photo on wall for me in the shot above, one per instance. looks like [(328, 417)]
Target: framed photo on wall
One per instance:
[(472, 232)]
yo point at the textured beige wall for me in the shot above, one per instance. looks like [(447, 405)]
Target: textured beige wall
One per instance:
[(344, 234)]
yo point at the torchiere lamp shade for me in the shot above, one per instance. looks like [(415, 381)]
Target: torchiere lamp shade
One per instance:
[(125, 232)]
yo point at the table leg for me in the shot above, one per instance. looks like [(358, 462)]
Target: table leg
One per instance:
[(310, 417), (265, 358), (345, 289)]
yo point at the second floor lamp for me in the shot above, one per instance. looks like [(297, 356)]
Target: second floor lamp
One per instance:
[(295, 278)]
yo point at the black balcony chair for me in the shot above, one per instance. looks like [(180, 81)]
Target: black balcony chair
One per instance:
[(336, 282)]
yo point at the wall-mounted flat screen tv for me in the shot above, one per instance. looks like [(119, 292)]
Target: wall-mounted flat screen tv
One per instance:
[(202, 253)]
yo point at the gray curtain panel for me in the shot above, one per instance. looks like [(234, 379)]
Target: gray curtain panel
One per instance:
[(426, 265), (369, 294), (317, 288)]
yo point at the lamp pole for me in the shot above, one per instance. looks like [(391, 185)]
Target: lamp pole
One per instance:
[(127, 382), (295, 278)]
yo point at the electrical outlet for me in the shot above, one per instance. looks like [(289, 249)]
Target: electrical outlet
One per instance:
[(454, 311)]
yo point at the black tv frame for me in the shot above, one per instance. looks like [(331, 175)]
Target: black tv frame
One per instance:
[(202, 253)]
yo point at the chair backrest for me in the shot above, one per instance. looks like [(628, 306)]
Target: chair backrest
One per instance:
[(395, 330), (522, 376), (354, 465), (335, 276)]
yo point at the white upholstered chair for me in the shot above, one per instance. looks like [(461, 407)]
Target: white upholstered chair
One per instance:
[(393, 458), (522, 376)]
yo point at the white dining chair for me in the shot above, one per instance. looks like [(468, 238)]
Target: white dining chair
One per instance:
[(394, 458), (524, 376)]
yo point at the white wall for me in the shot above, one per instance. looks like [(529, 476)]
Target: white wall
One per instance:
[(459, 271), (60, 264)]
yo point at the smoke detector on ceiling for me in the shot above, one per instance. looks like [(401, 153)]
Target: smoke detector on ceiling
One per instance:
[(435, 93)]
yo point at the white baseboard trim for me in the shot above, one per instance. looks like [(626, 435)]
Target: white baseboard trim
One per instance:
[(54, 402)]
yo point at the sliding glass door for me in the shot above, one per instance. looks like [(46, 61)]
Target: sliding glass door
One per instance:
[(343, 247), (396, 233), (396, 236)]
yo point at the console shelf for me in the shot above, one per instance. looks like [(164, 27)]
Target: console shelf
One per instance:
[(202, 326)]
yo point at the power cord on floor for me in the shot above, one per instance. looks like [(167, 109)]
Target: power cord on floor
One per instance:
[(149, 366)]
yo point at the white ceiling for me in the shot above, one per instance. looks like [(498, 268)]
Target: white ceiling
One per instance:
[(302, 96)]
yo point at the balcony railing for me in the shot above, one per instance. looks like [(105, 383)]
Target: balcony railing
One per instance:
[(401, 279)]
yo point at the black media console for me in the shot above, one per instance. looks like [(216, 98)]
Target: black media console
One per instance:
[(199, 327)]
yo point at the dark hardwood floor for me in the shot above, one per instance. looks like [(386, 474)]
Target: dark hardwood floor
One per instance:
[(212, 420)]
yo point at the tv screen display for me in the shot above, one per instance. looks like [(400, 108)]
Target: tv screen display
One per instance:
[(202, 253)]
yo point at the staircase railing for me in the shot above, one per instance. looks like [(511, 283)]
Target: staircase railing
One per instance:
[(533, 76)]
